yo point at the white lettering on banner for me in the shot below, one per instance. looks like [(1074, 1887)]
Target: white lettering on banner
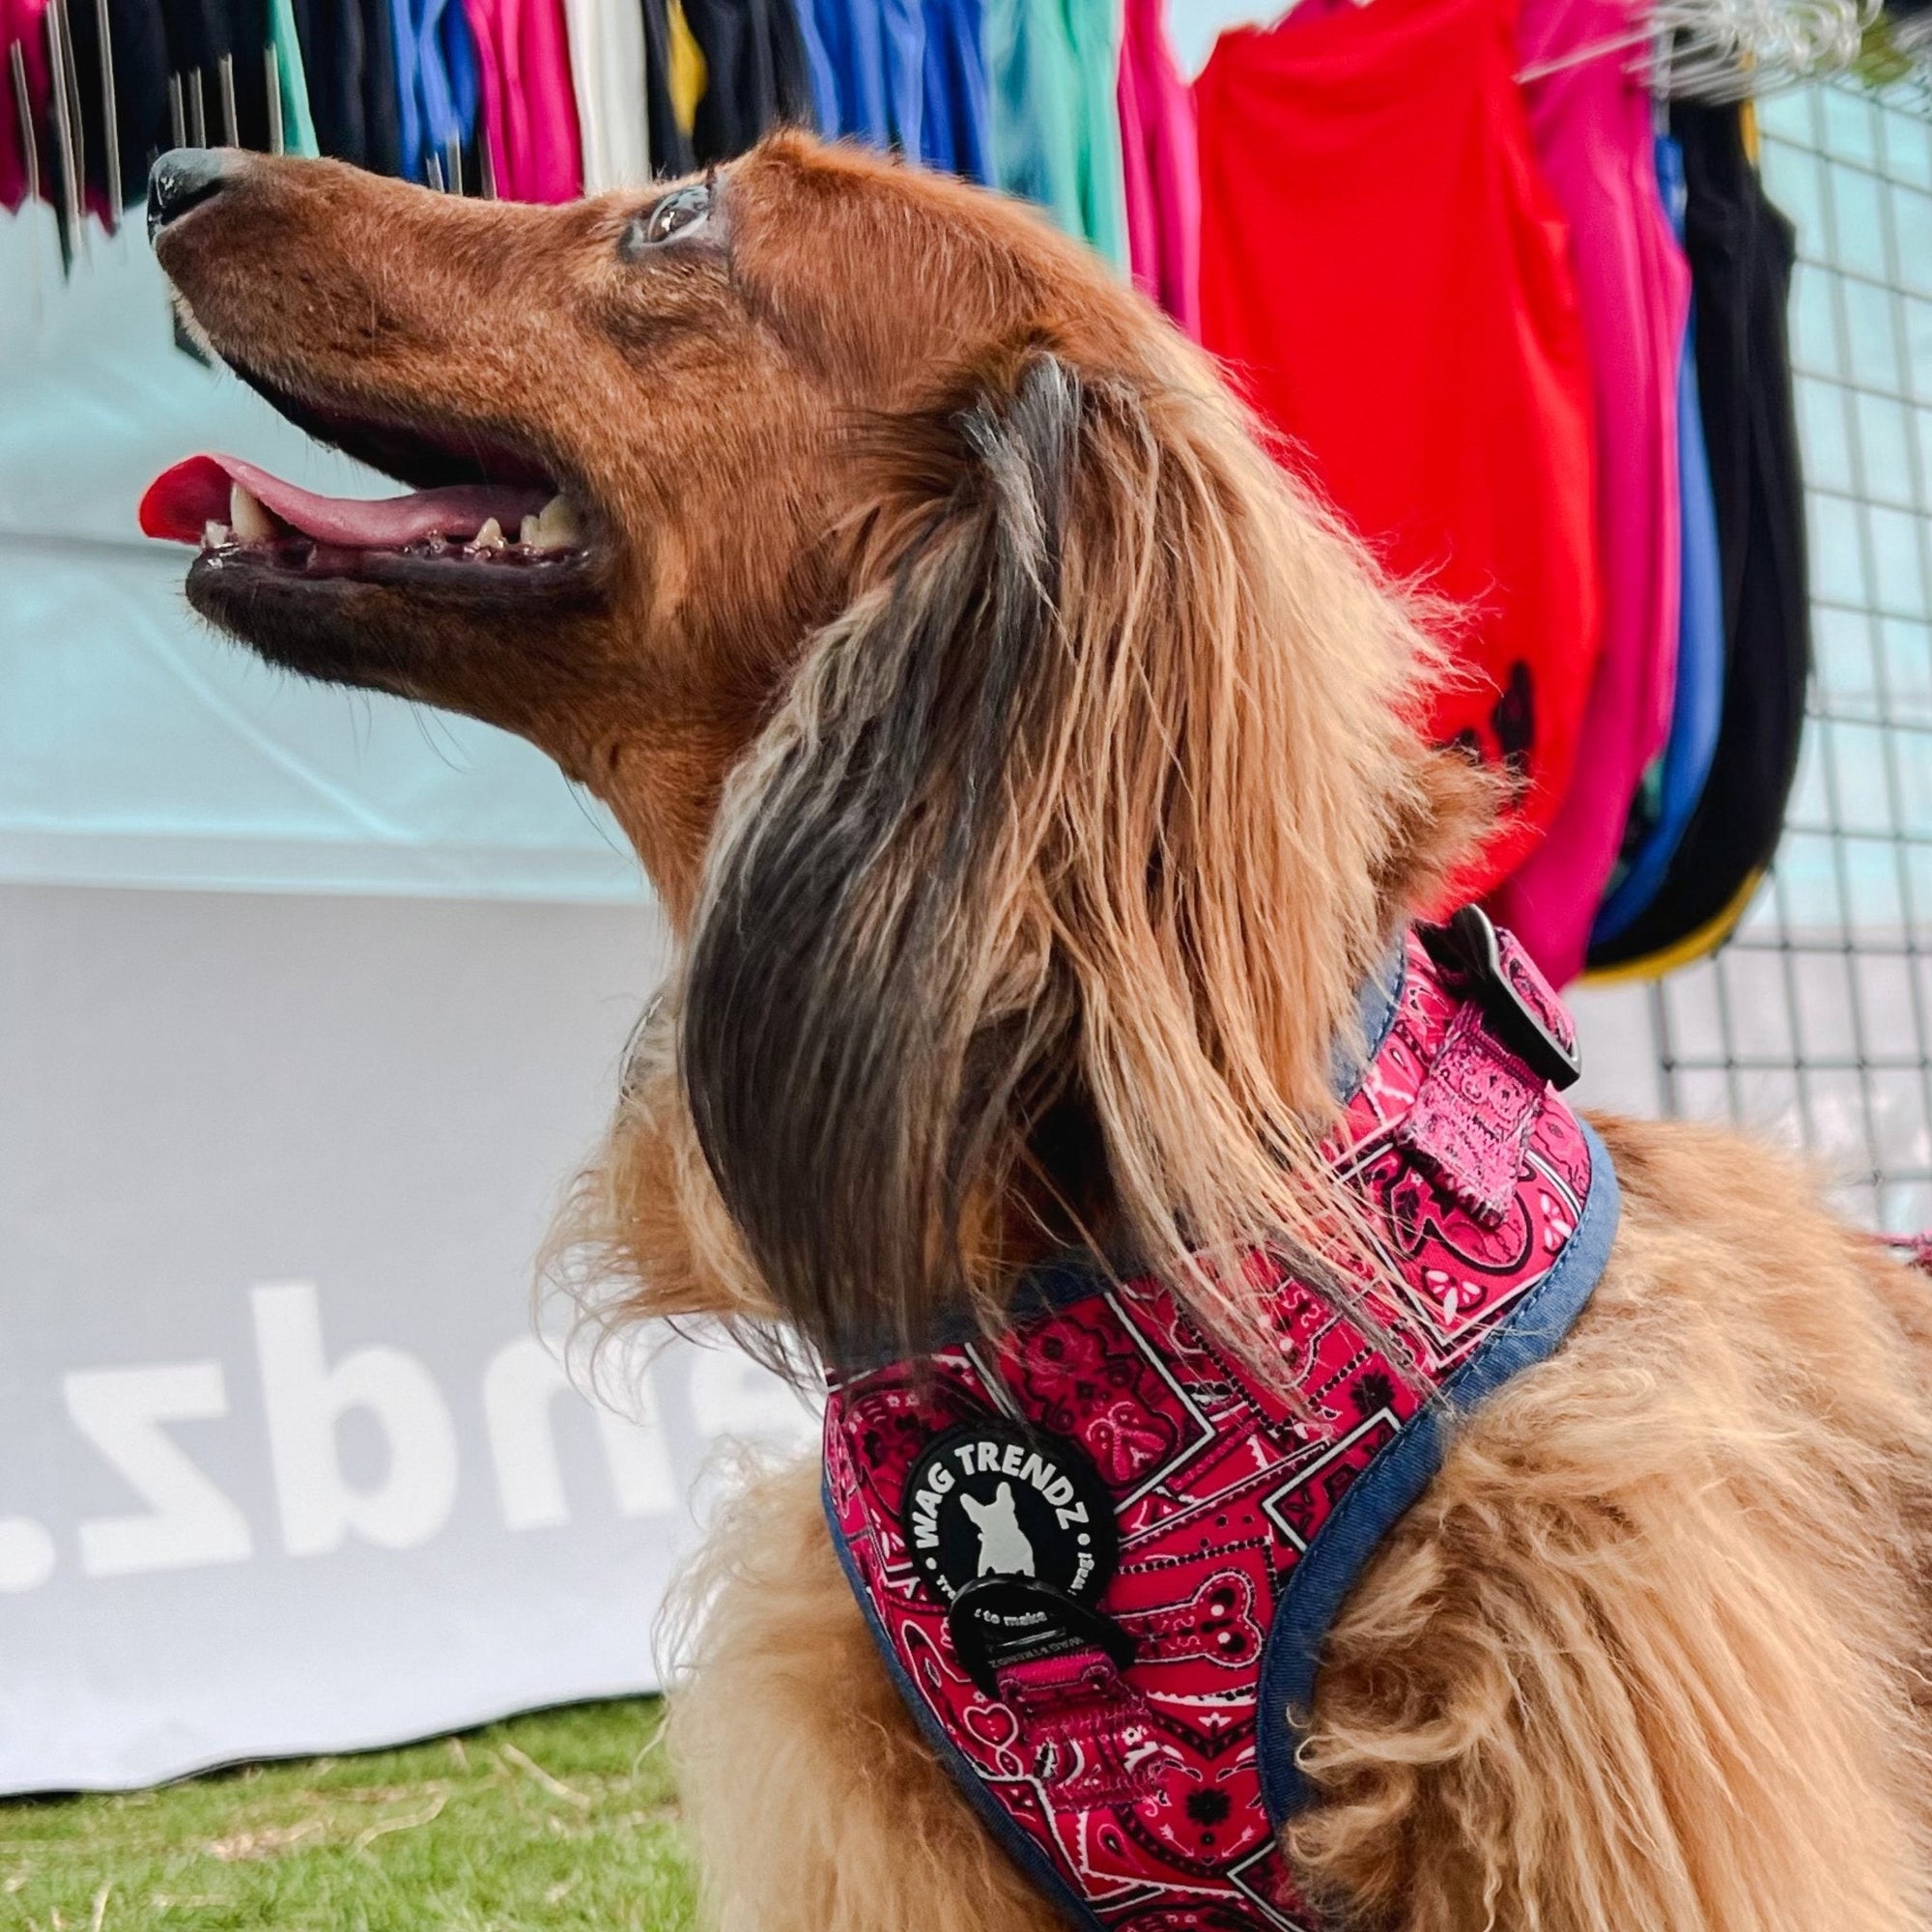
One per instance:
[(305, 1398), (189, 1521), (519, 1387)]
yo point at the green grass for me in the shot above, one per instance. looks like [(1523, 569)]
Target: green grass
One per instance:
[(565, 1820)]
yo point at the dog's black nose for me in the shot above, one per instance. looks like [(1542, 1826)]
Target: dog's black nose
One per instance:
[(184, 178)]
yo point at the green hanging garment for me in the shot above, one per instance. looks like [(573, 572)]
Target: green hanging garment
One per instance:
[(297, 122), (1052, 69)]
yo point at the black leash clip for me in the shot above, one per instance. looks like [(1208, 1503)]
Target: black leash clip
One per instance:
[(1515, 999)]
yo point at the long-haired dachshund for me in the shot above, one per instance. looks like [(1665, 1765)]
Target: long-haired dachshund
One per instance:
[(1029, 772)]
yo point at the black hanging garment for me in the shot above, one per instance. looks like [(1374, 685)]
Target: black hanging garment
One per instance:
[(756, 74), (1741, 249), (139, 94), (381, 117), (218, 49), (669, 145), (333, 64)]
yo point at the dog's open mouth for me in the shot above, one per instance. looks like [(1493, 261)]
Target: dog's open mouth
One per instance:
[(241, 515), (483, 517)]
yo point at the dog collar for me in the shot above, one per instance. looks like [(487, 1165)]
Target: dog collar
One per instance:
[(1101, 1553)]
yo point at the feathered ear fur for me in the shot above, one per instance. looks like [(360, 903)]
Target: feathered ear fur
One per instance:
[(1041, 902)]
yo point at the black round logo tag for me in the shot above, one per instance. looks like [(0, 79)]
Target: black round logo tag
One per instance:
[(989, 1499)]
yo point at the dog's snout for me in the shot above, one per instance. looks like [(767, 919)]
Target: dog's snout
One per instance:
[(184, 178)]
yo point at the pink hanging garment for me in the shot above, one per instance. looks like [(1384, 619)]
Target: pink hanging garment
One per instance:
[(556, 143), (492, 26), (1162, 168), (22, 22), (1591, 125), (529, 112)]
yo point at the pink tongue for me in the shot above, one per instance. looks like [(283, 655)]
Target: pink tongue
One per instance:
[(181, 500)]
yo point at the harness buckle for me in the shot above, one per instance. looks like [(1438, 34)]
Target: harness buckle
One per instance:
[(1000, 1622), (1515, 999), (1056, 1664)]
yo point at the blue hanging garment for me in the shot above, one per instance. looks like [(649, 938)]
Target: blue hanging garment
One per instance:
[(955, 133), (1659, 821)]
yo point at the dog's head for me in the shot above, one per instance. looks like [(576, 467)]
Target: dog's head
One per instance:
[(1025, 763)]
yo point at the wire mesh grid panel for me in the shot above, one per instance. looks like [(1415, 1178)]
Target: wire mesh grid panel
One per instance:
[(1815, 1023)]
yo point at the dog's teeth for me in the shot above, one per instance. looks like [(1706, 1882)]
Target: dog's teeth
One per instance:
[(213, 537), (527, 535), (554, 527), (489, 537), (252, 523)]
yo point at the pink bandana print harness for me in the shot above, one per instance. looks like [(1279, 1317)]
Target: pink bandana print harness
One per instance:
[(1101, 1556)]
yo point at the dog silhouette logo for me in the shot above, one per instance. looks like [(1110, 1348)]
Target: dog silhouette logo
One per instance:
[(1003, 1549), (995, 1499)]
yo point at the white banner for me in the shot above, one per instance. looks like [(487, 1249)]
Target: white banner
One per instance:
[(283, 1467)]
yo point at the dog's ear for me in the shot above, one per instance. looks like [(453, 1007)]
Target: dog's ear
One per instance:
[(1093, 806)]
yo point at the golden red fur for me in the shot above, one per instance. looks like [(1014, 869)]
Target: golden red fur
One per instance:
[(1024, 766)]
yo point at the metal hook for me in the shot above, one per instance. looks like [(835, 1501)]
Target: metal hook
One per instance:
[(231, 122), (271, 63), (64, 143), (112, 144), (30, 144)]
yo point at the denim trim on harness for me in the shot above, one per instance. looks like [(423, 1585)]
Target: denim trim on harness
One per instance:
[(1021, 1849), (1329, 1567)]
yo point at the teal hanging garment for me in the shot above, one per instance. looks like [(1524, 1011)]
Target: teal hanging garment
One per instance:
[(292, 81), (1094, 30), (1052, 68)]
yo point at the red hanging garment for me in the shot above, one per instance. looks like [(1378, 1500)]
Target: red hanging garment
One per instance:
[(1389, 281), (1591, 122)]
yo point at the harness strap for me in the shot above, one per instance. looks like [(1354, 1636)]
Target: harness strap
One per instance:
[(1474, 1115), (1506, 1047), (1087, 1725)]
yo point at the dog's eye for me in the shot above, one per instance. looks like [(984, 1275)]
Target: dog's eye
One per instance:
[(678, 212)]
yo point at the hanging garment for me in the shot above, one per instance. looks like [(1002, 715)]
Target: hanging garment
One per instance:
[(853, 35), (554, 163), (1384, 272), (955, 134), (819, 68), (688, 77), (382, 123), (1741, 250), (1052, 75), (668, 118), (238, 99), (333, 58), (1591, 124), (904, 23), (1161, 167), (1099, 1553), (756, 75), (606, 67), (22, 25), (193, 36), (436, 87), (1094, 26), (1652, 836), (1034, 92), (530, 109), (298, 135), (139, 97)]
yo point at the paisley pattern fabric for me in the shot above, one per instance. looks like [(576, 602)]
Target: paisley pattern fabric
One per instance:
[(1245, 1504)]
